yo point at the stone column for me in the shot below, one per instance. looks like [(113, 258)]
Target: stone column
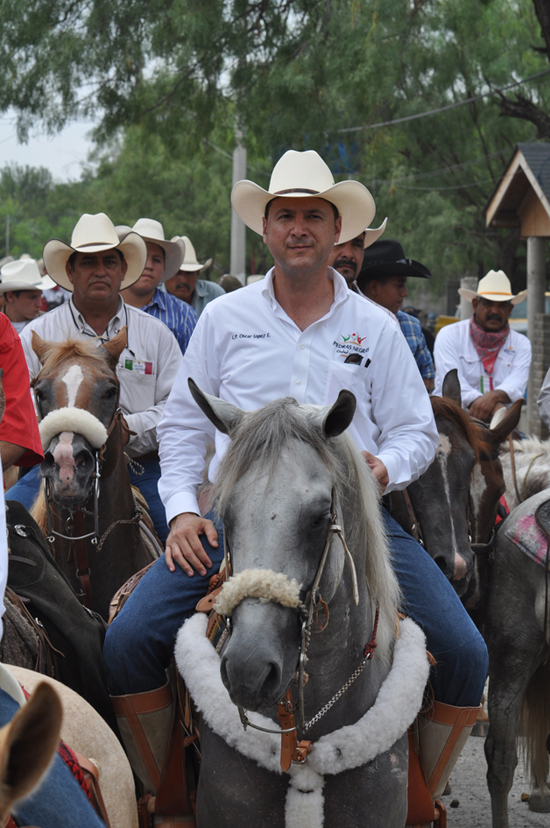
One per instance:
[(536, 285)]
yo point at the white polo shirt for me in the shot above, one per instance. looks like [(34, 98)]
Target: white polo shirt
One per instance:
[(246, 350), (146, 368), (454, 348)]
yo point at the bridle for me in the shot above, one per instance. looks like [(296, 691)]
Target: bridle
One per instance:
[(293, 751), (75, 520)]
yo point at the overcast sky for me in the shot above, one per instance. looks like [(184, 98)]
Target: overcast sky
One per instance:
[(63, 155)]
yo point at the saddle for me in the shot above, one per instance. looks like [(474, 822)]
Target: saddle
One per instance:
[(71, 635), (528, 528)]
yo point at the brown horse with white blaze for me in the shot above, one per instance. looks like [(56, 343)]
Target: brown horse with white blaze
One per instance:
[(89, 512)]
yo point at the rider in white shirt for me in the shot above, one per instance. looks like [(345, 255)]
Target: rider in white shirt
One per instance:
[(492, 360), (300, 332)]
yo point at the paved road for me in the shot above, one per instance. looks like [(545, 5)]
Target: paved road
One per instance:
[(469, 787)]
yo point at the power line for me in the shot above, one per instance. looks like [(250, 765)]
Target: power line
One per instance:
[(445, 108)]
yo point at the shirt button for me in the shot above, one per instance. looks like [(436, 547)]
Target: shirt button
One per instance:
[(298, 382), (302, 347)]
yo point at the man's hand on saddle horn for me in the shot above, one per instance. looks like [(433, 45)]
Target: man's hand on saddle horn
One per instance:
[(183, 545), (378, 469)]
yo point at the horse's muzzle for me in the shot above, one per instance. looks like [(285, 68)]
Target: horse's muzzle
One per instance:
[(69, 463)]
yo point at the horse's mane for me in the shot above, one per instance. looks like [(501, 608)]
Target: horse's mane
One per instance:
[(58, 351), (531, 445), (261, 436), (450, 410)]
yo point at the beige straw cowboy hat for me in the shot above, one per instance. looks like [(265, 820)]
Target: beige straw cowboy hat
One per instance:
[(151, 230), (302, 174), (93, 234), (190, 262), (373, 233), (47, 283), (495, 287), (22, 274)]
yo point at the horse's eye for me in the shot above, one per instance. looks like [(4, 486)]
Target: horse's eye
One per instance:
[(110, 393), (320, 520), (38, 396)]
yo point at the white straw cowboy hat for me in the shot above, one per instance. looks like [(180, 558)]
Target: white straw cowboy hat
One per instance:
[(372, 234), (46, 282), (302, 174), (151, 230), (20, 275), (190, 262), (93, 234), (495, 287)]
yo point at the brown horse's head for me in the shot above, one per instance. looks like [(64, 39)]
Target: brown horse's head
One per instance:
[(76, 394)]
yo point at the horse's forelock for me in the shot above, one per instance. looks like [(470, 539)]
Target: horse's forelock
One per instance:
[(60, 351), (262, 435), (450, 410)]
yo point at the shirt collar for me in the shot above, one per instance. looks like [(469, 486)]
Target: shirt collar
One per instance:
[(200, 288), (116, 323), (341, 291)]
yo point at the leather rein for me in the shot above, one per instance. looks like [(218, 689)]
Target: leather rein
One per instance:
[(75, 523), (292, 750)]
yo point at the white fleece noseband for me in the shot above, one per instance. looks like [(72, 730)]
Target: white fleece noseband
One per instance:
[(72, 419), (264, 584), (397, 704)]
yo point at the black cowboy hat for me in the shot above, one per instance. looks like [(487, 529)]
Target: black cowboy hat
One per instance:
[(387, 258)]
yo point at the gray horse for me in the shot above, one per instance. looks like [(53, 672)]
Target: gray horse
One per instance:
[(517, 635), (290, 487)]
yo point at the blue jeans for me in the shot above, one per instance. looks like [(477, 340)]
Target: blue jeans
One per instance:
[(140, 642), (26, 489), (60, 802)]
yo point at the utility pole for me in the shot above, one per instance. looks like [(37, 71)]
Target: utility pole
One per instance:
[(238, 229)]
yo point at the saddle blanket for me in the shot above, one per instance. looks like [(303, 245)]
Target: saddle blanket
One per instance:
[(522, 529)]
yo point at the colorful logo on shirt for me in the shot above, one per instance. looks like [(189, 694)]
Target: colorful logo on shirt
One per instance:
[(353, 339)]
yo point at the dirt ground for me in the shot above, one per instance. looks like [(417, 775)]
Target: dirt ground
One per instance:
[(469, 788)]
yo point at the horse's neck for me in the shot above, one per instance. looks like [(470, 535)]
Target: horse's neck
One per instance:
[(115, 496)]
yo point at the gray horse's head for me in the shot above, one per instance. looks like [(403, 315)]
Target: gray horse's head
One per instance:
[(278, 484)]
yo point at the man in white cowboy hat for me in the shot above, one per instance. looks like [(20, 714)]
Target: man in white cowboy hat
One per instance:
[(186, 284), (95, 266), (22, 285), (347, 257), (163, 261), (383, 279), (492, 360), (291, 334)]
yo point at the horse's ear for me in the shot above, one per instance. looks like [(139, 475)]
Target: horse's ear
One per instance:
[(40, 346), (28, 744), (338, 417), (500, 431), (222, 414), (451, 386), (115, 347)]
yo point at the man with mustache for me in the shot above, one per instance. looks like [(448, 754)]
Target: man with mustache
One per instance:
[(187, 286), (347, 258), (492, 360)]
